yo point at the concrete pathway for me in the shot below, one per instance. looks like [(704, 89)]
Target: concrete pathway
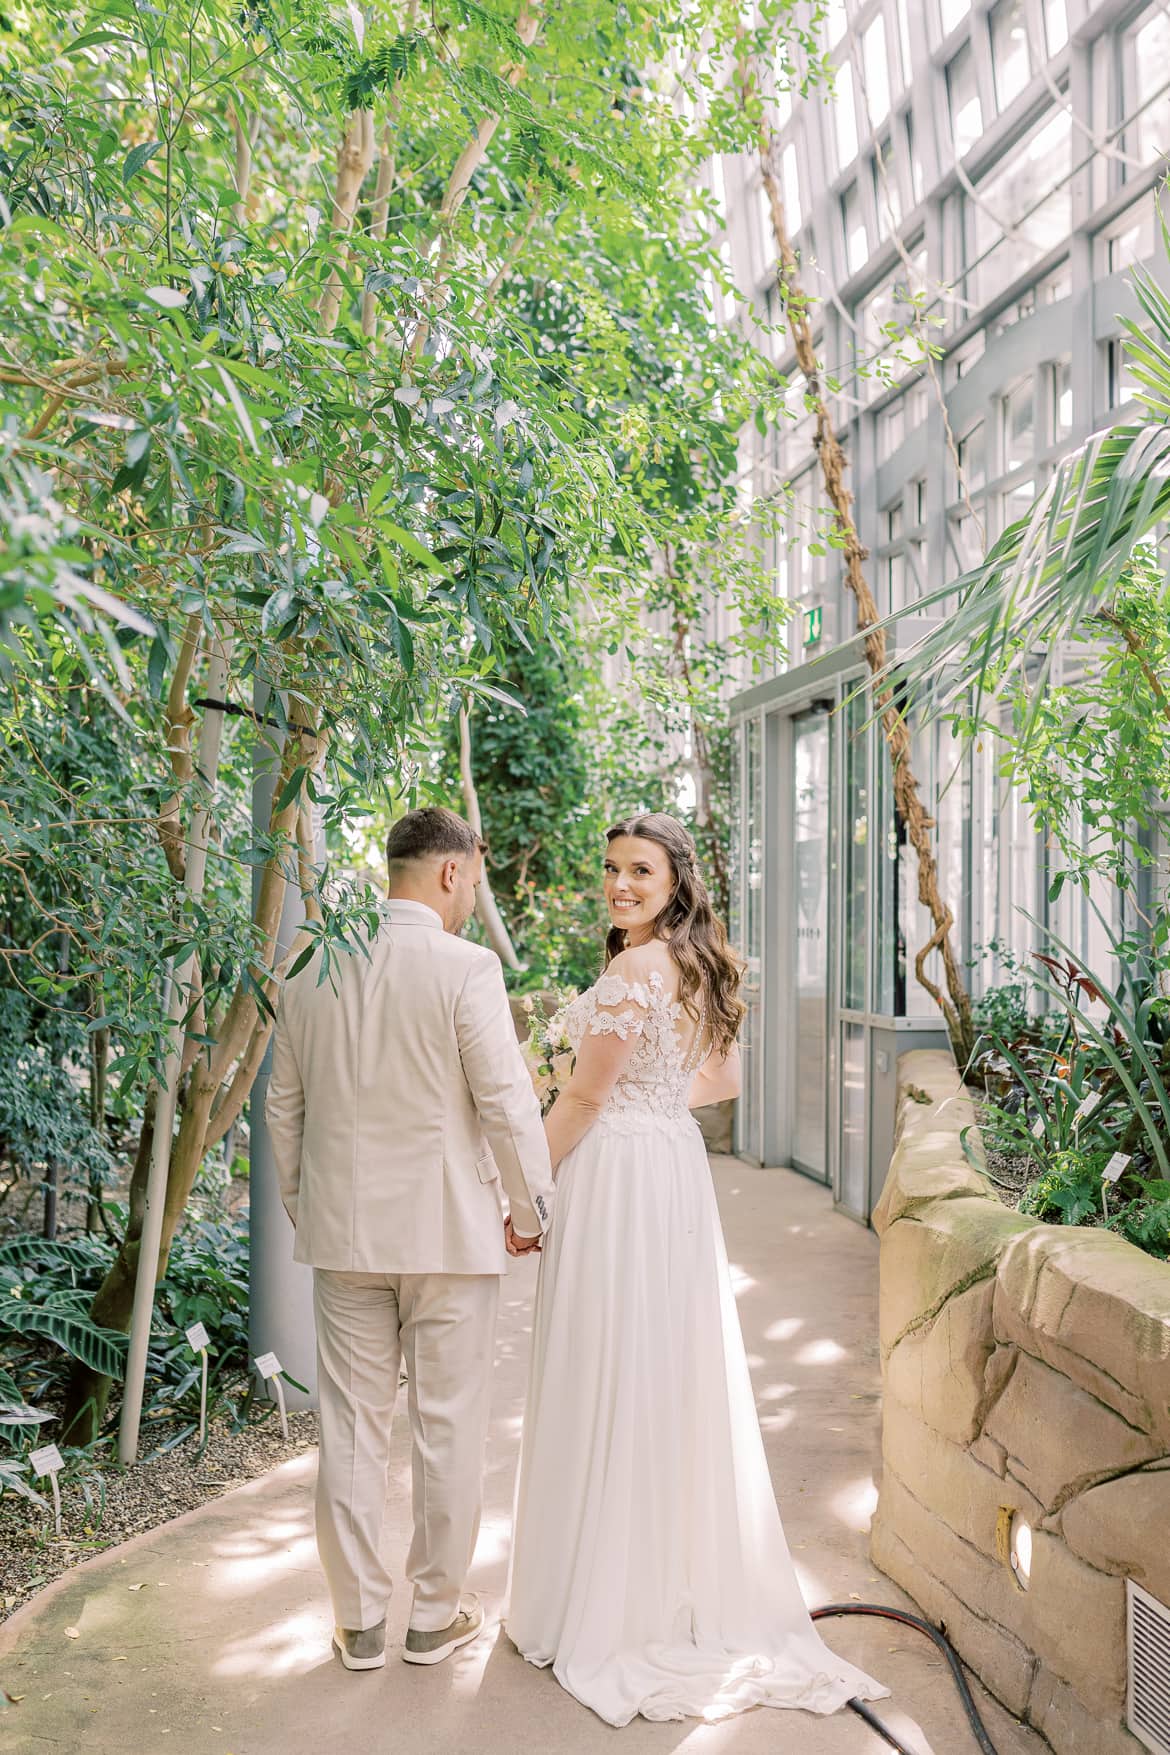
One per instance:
[(210, 1636)]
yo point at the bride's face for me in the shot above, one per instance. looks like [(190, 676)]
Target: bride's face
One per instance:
[(639, 883)]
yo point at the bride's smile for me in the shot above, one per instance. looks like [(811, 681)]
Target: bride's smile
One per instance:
[(638, 885)]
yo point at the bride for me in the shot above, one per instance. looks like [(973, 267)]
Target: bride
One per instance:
[(649, 1565)]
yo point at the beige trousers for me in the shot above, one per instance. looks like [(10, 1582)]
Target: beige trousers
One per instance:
[(444, 1324)]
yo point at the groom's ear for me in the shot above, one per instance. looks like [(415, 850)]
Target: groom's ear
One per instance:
[(449, 873)]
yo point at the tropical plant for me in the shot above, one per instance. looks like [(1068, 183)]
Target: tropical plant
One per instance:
[(292, 458)]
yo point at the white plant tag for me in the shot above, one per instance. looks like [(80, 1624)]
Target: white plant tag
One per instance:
[(47, 1461), (1038, 1128), (1115, 1166), (198, 1337), (1087, 1105), (268, 1365)]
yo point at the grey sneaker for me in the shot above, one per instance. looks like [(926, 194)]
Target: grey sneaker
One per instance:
[(364, 1650), (432, 1648)]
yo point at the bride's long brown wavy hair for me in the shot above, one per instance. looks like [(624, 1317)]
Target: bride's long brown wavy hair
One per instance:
[(709, 974)]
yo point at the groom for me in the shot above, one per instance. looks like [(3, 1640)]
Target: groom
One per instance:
[(398, 1102)]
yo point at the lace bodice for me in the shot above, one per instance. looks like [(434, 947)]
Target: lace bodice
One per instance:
[(653, 1085)]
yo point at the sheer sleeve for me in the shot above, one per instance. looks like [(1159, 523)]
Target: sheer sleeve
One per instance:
[(617, 1020)]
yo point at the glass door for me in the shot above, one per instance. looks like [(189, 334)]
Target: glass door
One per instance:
[(811, 735)]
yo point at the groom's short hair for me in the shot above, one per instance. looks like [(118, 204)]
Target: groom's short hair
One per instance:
[(429, 834)]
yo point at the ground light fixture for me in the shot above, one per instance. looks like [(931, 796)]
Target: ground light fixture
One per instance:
[(1020, 1549)]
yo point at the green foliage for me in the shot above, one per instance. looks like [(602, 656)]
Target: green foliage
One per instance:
[(43, 1121)]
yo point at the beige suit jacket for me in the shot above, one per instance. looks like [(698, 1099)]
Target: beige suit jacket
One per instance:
[(398, 1101)]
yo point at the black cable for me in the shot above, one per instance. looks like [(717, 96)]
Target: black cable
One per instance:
[(978, 1728)]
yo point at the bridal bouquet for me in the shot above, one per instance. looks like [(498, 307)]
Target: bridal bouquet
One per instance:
[(548, 1051)]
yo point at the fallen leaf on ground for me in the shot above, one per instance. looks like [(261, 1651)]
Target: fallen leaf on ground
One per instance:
[(135, 1587), (73, 1632)]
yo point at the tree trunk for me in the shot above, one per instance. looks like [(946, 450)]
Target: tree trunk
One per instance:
[(354, 158), (955, 1003), (489, 914)]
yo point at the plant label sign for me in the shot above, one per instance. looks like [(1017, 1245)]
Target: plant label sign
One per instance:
[(48, 1461), (198, 1338), (1038, 1128), (1115, 1166), (268, 1365), (1087, 1105)]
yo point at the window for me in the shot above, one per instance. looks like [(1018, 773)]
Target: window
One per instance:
[(891, 429), (853, 220), (1017, 503), (1009, 51), (875, 71), (887, 198), (1055, 286), (836, 22), (916, 182), (969, 355), (1055, 25), (1121, 385), (1060, 390), (918, 490), (904, 42), (1019, 425), (1023, 210), (963, 98), (844, 115), (790, 183), (972, 458), (1129, 239), (894, 522), (1145, 57), (952, 14)]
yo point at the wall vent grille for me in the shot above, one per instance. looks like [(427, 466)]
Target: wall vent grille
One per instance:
[(1148, 1640)]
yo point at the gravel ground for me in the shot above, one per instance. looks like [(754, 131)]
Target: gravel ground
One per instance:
[(1009, 1172), (136, 1499)]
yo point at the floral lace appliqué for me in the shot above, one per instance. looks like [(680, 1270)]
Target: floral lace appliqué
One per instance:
[(656, 1078)]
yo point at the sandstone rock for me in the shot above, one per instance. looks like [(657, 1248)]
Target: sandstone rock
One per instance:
[(1096, 1308), (938, 1371), (1075, 1623), (1060, 1439), (928, 1162), (939, 1252), (1058, 1714), (1121, 1526), (963, 1498), (1001, 1660)]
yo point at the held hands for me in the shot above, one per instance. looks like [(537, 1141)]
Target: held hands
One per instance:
[(517, 1245)]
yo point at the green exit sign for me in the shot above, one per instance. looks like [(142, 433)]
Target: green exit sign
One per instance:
[(814, 624)]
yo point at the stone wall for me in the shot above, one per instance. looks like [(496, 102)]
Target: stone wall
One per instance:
[(1026, 1369)]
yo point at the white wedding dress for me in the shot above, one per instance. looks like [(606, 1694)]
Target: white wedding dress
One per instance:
[(649, 1564)]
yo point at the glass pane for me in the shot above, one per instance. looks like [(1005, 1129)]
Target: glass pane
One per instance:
[(963, 97), (844, 116), (853, 1107), (904, 42), (753, 846), (886, 194), (1024, 210), (886, 975), (853, 220), (1055, 25), (1062, 402), (1009, 50), (953, 13), (1144, 88), (972, 457), (1018, 425), (790, 180), (876, 73), (856, 865), (1018, 502), (811, 751)]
